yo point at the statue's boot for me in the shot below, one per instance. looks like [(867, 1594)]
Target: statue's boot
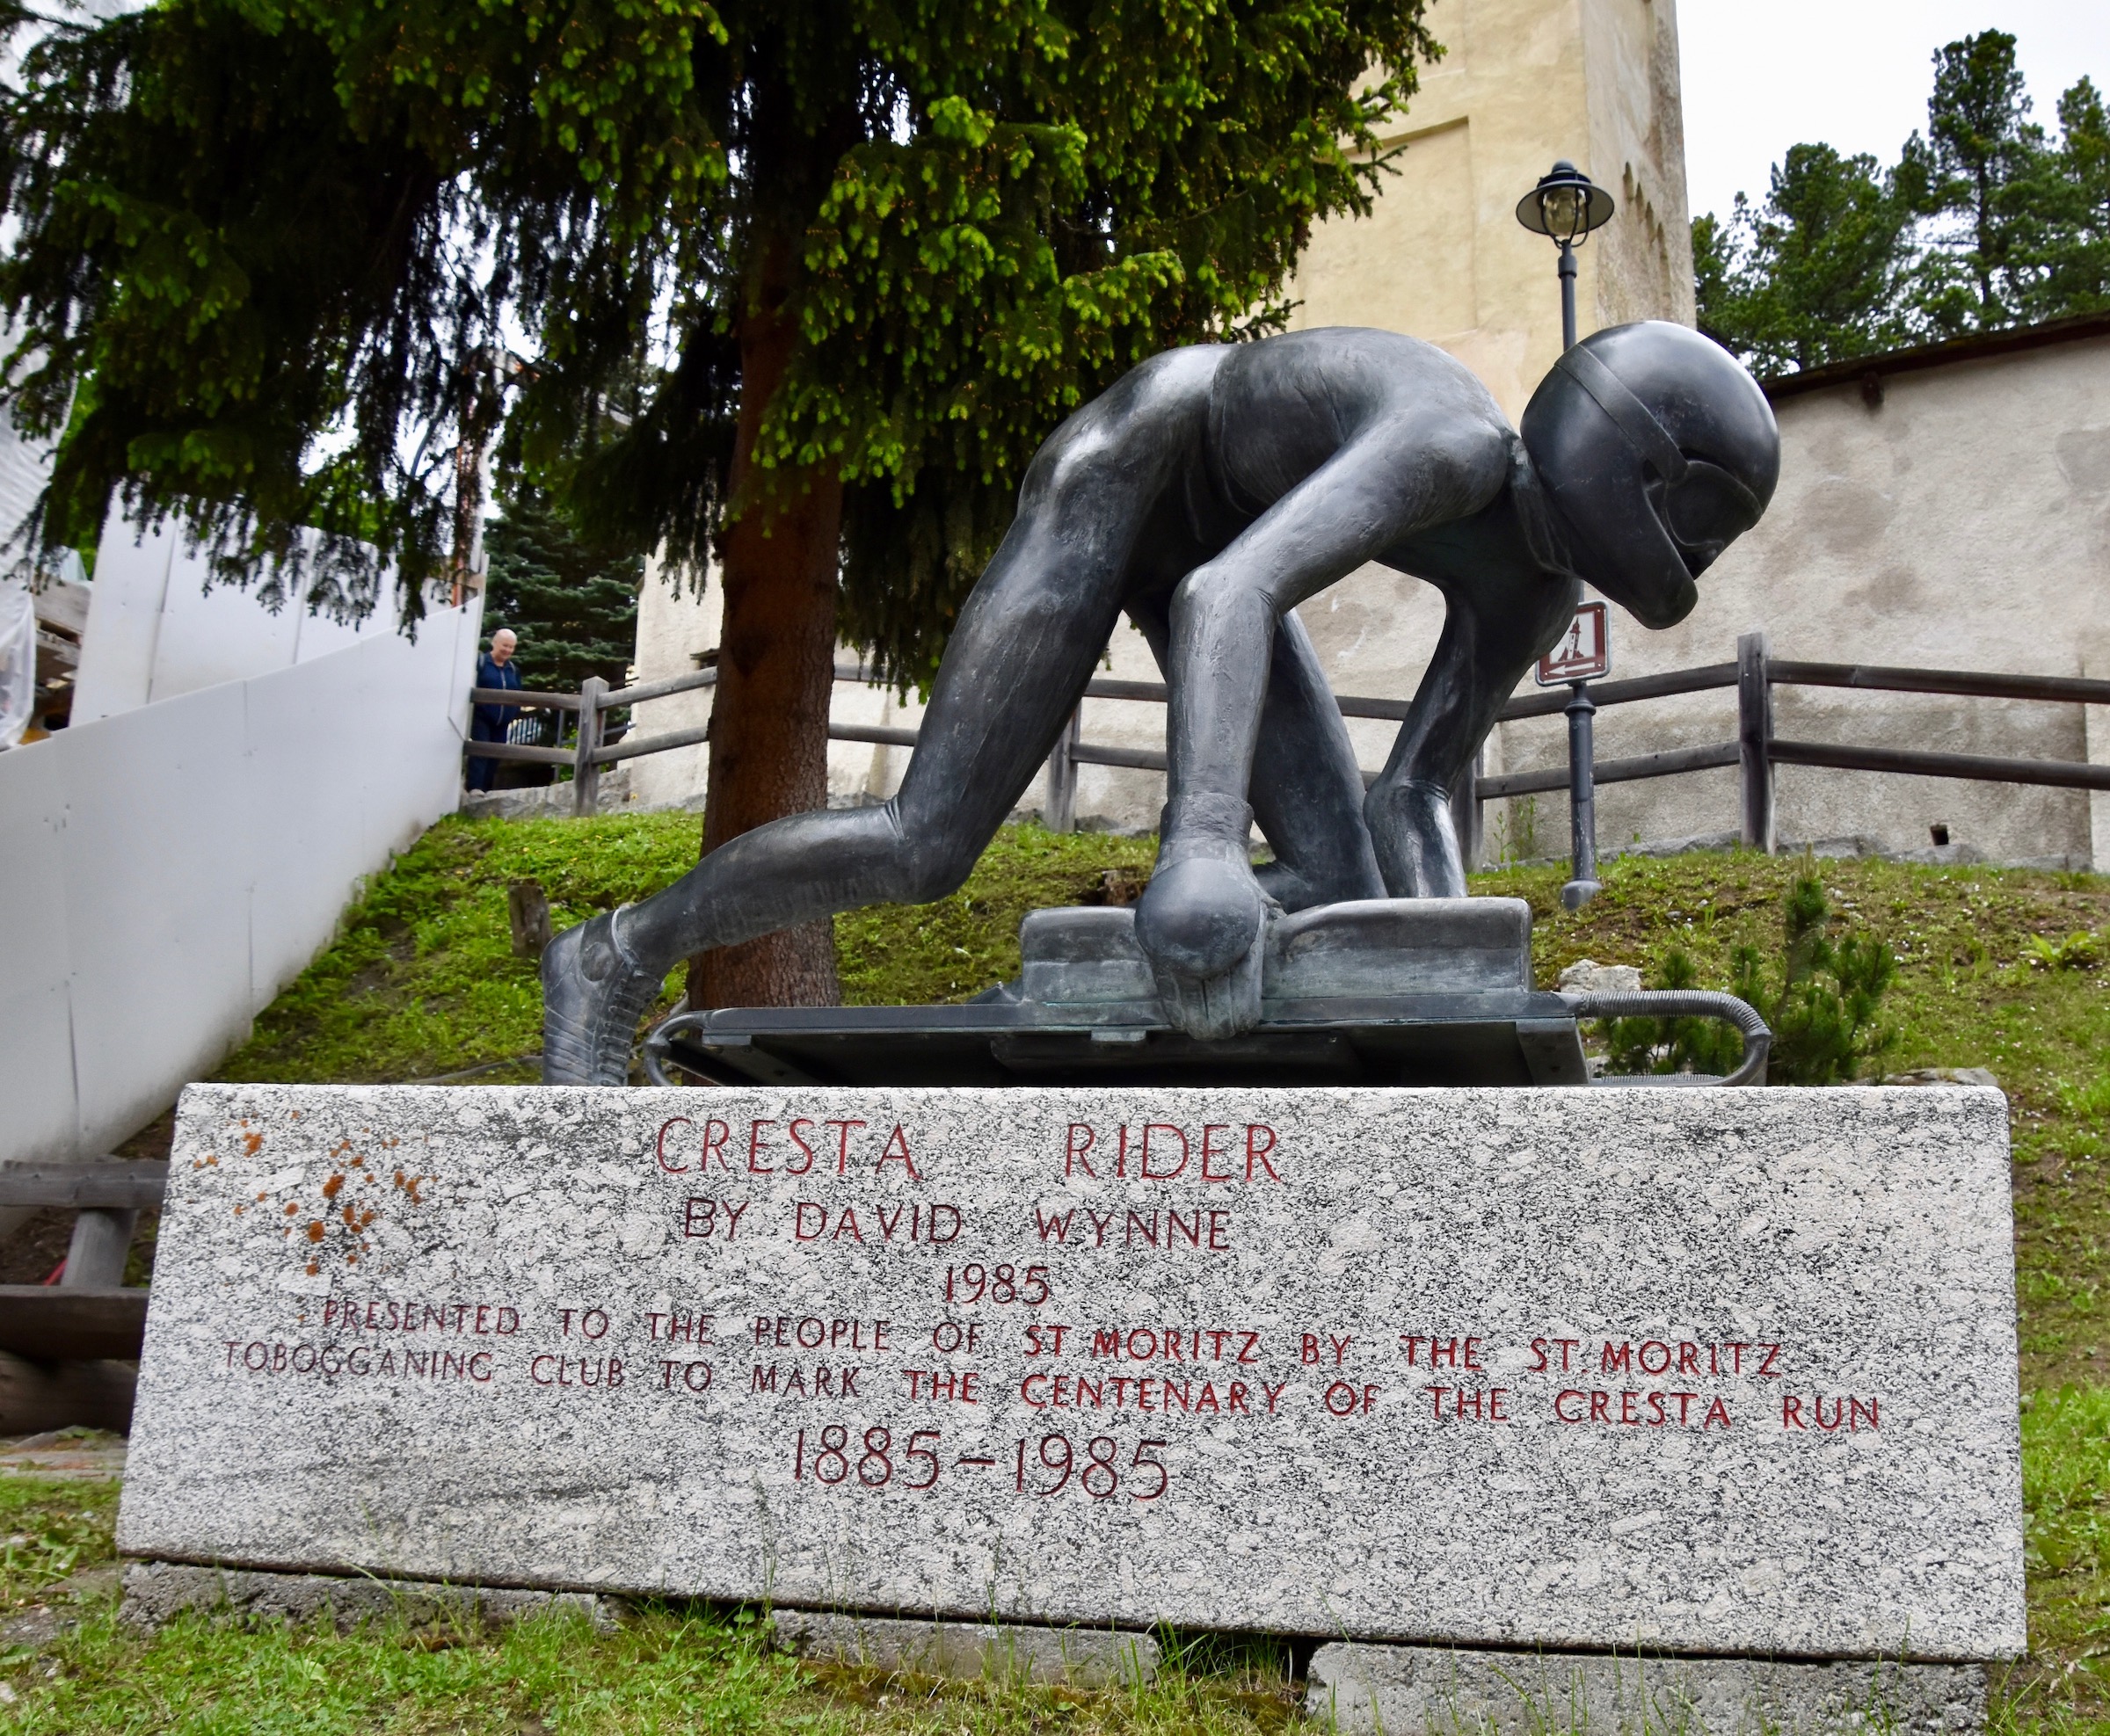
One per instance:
[(1202, 923), (593, 994)]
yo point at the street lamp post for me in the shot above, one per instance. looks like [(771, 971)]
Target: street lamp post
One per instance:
[(1566, 205)]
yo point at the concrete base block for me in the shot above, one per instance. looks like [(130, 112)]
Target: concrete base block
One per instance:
[(1407, 1690), (156, 1591), (1066, 1657)]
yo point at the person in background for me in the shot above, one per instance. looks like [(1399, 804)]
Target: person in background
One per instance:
[(489, 723)]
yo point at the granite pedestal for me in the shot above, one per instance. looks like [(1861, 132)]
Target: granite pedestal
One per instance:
[(1715, 1373)]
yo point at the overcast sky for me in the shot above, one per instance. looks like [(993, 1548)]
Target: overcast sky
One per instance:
[(1763, 75)]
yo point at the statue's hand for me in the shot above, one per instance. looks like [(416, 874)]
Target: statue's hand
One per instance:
[(1202, 923)]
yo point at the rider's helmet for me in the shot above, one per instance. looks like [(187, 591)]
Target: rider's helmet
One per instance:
[(1659, 450)]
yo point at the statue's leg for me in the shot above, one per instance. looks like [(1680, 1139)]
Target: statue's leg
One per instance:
[(1028, 637), (1306, 790), (1488, 644)]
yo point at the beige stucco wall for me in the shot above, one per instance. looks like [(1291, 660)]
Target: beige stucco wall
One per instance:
[(1962, 523), (1443, 257)]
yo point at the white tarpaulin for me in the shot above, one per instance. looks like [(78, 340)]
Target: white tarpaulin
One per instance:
[(17, 660)]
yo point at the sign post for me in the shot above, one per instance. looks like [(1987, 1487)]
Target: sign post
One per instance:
[(1583, 655)]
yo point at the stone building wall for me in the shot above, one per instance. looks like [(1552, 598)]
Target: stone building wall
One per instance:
[(1442, 257), (1955, 514)]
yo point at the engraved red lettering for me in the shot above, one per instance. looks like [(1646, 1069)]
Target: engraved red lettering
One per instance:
[(896, 1152), (672, 1169), (842, 1151), (1150, 1174)]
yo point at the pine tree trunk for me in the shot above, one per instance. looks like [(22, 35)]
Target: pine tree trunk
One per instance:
[(777, 656)]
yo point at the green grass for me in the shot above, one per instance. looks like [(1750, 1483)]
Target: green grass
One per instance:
[(668, 1670), (2066, 1486), (422, 981), (54, 1528)]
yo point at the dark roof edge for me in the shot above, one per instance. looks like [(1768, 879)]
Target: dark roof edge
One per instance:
[(1974, 348)]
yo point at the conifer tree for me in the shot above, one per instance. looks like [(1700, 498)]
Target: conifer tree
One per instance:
[(1816, 273), (573, 605), (2076, 277), (864, 256), (1987, 180), (1983, 221)]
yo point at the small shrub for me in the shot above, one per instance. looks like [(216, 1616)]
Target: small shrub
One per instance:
[(2077, 952), (1821, 1004)]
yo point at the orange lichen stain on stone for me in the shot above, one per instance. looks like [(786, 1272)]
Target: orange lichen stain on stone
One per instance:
[(341, 1147), (351, 1215), (293, 1208), (314, 1270), (333, 1187), (366, 1217), (314, 1230), (262, 1197), (409, 1184), (252, 1142), (240, 1209)]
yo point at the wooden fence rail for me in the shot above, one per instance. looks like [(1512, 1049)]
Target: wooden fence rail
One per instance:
[(1756, 751)]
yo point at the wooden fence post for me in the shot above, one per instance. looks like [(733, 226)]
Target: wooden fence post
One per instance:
[(1754, 742), (585, 776), (1062, 776), (102, 1238), (527, 915)]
